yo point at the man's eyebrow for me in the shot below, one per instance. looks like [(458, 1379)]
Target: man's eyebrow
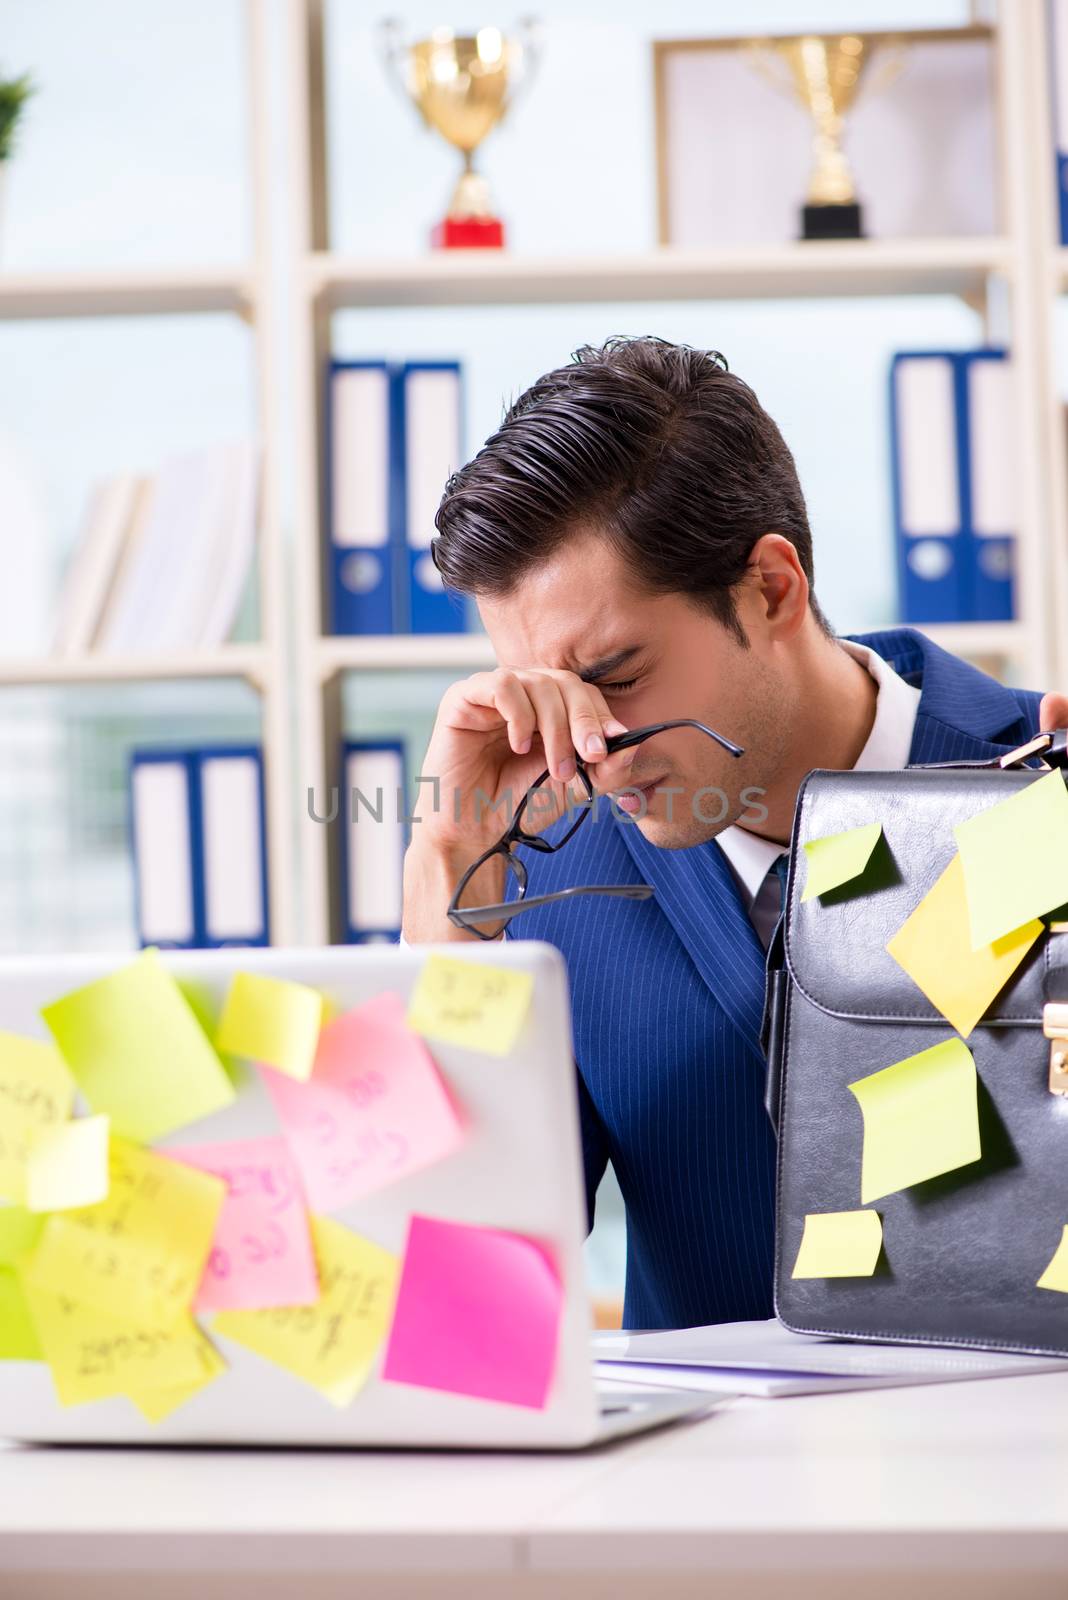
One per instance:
[(607, 664)]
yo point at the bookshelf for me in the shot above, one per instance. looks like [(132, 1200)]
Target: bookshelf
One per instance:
[(245, 292), (293, 283), (1012, 278)]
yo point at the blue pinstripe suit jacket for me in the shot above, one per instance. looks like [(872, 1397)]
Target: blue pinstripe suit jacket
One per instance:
[(667, 996)]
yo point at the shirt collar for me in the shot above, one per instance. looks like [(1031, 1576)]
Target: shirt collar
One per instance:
[(887, 750)]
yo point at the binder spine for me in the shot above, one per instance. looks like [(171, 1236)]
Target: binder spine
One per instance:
[(360, 457), (986, 435), (373, 838), (430, 418), (927, 486), (233, 846), (1058, 28), (165, 847)]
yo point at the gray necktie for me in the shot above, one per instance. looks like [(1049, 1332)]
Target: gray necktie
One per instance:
[(779, 867)]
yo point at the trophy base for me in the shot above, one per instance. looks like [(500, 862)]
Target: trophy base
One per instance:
[(832, 221), (468, 233)]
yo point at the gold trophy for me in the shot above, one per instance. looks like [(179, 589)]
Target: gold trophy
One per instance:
[(462, 86), (824, 72)]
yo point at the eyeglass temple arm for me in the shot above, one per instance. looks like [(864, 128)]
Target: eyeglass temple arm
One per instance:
[(623, 741), (512, 908)]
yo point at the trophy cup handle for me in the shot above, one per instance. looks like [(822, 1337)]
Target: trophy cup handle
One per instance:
[(390, 40), (892, 55), (761, 57), (527, 48)]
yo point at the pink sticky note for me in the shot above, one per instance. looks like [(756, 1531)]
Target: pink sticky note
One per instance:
[(373, 1109), (477, 1312), (262, 1252)]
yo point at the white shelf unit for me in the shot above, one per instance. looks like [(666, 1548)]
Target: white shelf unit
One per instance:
[(1012, 278), (248, 661), (125, 294), (481, 278), (245, 291)]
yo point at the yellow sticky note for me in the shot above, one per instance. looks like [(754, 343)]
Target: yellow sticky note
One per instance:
[(934, 946), (921, 1118), (838, 858), (1015, 858), (36, 1091), (141, 1251), (138, 1052), (332, 1344), (469, 1003), (839, 1244), (93, 1354), (273, 1021), (155, 1404), (68, 1166), (1056, 1274)]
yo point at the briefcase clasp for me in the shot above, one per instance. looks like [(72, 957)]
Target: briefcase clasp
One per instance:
[(1052, 746), (1055, 1028)]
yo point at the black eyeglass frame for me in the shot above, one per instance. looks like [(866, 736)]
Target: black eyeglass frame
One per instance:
[(470, 917)]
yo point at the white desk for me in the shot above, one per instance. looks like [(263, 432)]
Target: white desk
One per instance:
[(960, 1489)]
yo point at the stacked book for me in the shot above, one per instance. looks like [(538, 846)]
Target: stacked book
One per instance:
[(162, 562)]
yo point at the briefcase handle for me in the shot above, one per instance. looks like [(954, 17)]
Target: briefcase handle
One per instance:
[(1051, 747)]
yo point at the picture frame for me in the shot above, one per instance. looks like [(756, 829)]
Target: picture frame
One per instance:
[(716, 190)]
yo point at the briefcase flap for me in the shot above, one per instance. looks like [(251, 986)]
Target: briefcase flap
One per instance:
[(835, 944)]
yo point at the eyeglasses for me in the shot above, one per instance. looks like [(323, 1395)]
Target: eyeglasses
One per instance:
[(472, 918)]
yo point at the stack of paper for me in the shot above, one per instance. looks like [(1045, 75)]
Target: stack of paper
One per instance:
[(764, 1358)]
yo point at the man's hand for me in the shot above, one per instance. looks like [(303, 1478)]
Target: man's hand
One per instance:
[(495, 733), (1053, 712)]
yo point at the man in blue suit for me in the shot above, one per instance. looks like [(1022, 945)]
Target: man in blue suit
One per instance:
[(637, 540)]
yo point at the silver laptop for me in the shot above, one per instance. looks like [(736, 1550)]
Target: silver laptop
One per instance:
[(518, 1168)]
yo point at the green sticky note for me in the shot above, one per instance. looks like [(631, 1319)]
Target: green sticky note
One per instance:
[(1055, 1275), (137, 1051), (921, 1118), (839, 1244), (839, 858), (18, 1337), (1015, 859), (272, 1020), (19, 1232)]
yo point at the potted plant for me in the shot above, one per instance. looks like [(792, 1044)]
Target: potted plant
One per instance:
[(14, 92)]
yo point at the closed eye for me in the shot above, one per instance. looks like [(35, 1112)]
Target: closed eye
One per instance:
[(617, 688)]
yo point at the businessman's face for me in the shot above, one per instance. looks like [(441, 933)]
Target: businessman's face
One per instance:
[(655, 658)]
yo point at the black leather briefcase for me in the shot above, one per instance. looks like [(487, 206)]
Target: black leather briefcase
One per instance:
[(961, 1252)]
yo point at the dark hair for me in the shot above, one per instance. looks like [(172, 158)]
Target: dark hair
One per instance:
[(658, 447)]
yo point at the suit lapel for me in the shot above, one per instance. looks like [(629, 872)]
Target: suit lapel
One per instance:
[(697, 893)]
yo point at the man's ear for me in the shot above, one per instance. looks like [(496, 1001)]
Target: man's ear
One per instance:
[(781, 583), (1053, 712)]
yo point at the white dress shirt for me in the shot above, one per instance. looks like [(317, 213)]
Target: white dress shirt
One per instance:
[(887, 750)]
